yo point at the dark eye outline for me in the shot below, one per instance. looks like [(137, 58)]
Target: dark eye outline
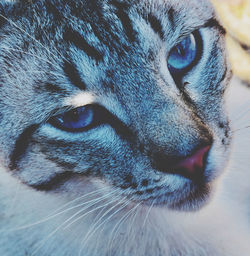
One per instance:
[(96, 119), (101, 116), (179, 73)]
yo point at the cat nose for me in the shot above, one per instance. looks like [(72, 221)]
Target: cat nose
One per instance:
[(194, 165), (191, 167)]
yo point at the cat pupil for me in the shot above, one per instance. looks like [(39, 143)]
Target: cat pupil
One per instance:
[(74, 115), (181, 50)]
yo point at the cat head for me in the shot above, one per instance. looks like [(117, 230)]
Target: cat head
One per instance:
[(129, 93)]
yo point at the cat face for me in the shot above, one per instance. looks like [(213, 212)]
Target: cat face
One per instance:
[(126, 92)]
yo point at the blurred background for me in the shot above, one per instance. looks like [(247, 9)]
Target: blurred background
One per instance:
[(235, 16)]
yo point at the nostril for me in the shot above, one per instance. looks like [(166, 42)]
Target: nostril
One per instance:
[(194, 165), (191, 167)]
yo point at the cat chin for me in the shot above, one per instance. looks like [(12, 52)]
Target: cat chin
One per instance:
[(201, 193), (196, 198)]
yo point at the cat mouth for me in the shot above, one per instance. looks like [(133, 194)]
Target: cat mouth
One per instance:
[(196, 189)]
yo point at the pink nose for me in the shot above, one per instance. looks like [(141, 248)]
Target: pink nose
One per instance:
[(193, 166)]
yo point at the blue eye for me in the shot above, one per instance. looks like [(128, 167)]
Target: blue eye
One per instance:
[(183, 55), (75, 120)]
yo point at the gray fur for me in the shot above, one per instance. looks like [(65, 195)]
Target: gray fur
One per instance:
[(127, 74)]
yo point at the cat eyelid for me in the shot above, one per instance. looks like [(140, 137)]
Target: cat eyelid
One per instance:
[(185, 34), (78, 100), (210, 23)]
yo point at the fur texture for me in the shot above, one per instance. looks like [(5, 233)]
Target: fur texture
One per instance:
[(110, 189)]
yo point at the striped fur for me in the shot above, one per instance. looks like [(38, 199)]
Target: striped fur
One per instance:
[(56, 55)]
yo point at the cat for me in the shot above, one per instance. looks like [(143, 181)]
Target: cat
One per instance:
[(115, 131)]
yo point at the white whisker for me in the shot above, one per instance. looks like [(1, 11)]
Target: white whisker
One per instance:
[(118, 225), (96, 226), (60, 226), (53, 47), (28, 53), (147, 215), (240, 108), (33, 38), (240, 129), (82, 197), (81, 216), (57, 213), (241, 116), (131, 223)]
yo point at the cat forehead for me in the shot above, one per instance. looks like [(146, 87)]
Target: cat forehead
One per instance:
[(179, 15), (189, 12), (172, 15), (165, 8), (85, 30), (192, 8)]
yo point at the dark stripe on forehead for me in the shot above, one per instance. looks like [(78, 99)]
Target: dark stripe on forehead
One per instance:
[(121, 13), (112, 41), (171, 17), (53, 88), (77, 39), (51, 8), (70, 70), (214, 23), (4, 8), (21, 145), (156, 25), (2, 21)]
